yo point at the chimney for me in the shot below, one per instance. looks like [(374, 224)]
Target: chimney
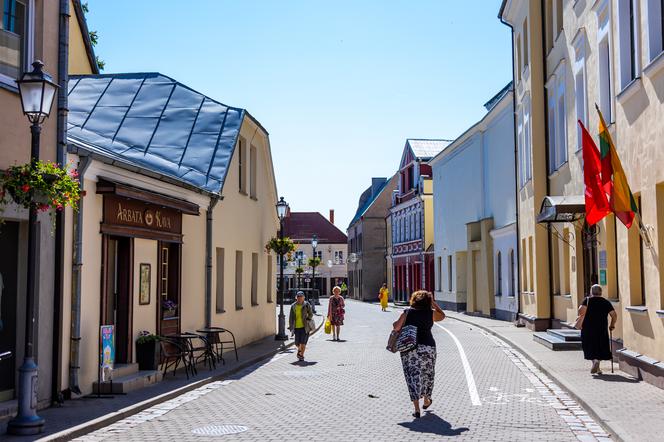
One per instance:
[(332, 216)]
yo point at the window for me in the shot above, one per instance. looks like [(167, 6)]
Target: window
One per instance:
[(580, 92), (220, 280), (659, 200), (527, 151), (655, 28), (253, 168), (338, 257), (561, 123), (549, 25), (512, 270), (551, 118), (525, 43), (499, 275), (522, 155), (635, 254), (299, 255), (242, 164), (269, 286), (604, 60), (418, 225), (254, 279), (559, 17), (439, 273), (531, 259), (628, 41), (16, 38), (449, 272), (523, 261), (238, 280), (319, 254)]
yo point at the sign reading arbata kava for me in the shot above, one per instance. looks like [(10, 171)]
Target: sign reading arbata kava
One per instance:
[(133, 213)]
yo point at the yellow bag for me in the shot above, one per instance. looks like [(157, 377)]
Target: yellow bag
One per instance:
[(328, 326)]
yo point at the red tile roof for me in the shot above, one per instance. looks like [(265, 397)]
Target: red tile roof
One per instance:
[(301, 226)]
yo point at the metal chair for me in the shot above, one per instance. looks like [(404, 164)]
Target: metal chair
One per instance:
[(173, 353), (205, 350), (220, 343)]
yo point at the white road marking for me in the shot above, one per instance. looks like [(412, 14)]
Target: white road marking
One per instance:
[(470, 379)]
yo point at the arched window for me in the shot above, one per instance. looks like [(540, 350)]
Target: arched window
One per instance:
[(499, 275), (511, 273)]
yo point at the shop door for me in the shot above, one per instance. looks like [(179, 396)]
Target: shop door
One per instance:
[(590, 269), (118, 295), (8, 287), (169, 288)]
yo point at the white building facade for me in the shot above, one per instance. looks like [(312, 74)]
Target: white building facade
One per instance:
[(475, 216)]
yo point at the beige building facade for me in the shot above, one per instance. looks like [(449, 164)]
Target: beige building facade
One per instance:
[(164, 248), (609, 54)]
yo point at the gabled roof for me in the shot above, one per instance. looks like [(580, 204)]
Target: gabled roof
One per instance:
[(154, 122), (366, 201), (421, 149), (301, 226)]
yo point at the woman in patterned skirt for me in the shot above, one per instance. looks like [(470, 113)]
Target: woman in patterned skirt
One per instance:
[(336, 312), (419, 364)]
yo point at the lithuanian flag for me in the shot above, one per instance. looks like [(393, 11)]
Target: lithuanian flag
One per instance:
[(614, 180)]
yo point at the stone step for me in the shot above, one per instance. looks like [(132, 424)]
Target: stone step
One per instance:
[(566, 334), (555, 343), (131, 382), (120, 370)]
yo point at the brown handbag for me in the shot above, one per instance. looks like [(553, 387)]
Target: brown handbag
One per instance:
[(578, 324)]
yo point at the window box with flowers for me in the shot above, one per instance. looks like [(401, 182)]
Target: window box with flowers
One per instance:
[(169, 309), (42, 186)]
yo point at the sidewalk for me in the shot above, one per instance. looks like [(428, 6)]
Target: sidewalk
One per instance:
[(630, 409), (83, 415)]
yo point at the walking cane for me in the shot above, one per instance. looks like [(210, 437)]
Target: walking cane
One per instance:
[(611, 347)]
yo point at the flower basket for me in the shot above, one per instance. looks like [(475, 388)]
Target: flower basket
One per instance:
[(41, 186), (168, 309), (146, 351)]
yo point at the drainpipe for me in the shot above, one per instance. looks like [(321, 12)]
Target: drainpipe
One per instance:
[(208, 260), (75, 335), (516, 180), (58, 289), (546, 157)]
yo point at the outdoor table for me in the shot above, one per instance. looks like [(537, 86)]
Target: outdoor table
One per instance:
[(217, 331), (213, 349), (187, 339)]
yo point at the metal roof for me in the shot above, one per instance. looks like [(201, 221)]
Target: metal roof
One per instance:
[(426, 149), (367, 199), (156, 123)]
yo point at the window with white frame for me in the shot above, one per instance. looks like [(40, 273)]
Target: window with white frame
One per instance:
[(551, 122), (527, 142), (499, 274), (655, 28), (604, 60), (561, 121), (16, 38), (522, 154), (580, 91), (628, 41)]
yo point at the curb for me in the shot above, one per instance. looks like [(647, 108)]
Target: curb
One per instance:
[(609, 429), (110, 418)]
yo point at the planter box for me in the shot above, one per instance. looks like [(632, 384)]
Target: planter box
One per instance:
[(146, 356)]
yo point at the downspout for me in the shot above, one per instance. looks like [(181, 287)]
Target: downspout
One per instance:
[(208, 260), (75, 335), (546, 158), (516, 180), (58, 289)]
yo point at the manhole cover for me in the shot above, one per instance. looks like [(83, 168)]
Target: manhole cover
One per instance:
[(219, 430)]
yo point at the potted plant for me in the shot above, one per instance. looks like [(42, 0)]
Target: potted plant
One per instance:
[(146, 351), (168, 309), (41, 186), (280, 246)]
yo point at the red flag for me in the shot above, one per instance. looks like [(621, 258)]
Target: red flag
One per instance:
[(597, 205)]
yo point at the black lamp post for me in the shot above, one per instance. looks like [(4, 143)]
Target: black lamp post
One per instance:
[(282, 209), (37, 91), (314, 244)]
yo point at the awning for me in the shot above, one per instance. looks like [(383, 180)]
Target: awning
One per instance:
[(562, 209)]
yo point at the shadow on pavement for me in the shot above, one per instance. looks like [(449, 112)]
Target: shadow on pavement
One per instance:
[(304, 363), (432, 424), (616, 378)]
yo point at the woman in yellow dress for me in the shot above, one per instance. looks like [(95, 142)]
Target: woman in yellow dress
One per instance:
[(384, 295)]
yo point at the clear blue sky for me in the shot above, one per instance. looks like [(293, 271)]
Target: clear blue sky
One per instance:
[(339, 85)]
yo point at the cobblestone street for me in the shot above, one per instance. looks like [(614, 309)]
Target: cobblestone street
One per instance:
[(354, 391)]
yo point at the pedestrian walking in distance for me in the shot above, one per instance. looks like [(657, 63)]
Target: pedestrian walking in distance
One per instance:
[(336, 310), (300, 323), (594, 312), (419, 364), (383, 296)]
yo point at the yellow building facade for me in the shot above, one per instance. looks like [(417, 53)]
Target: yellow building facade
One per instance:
[(585, 56)]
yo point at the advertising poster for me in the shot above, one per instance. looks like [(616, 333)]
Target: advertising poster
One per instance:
[(107, 347)]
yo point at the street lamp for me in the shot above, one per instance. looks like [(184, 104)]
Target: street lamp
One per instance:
[(282, 209), (314, 244), (37, 90)]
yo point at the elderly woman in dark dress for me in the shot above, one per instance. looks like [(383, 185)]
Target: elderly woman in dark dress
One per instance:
[(594, 331), (419, 364)]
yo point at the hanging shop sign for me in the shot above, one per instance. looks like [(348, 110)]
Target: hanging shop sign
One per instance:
[(137, 218)]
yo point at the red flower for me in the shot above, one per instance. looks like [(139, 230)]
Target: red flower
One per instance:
[(25, 188), (85, 192), (59, 207)]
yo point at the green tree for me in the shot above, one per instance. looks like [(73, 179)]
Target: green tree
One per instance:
[(94, 38)]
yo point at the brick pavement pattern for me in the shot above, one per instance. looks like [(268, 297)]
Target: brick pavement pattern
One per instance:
[(354, 390)]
